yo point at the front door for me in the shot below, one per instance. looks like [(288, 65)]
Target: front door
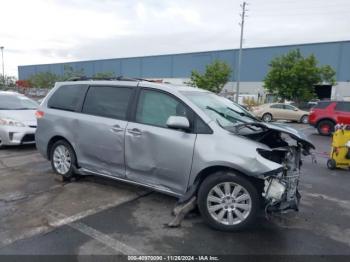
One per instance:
[(101, 129), (155, 154), (291, 113)]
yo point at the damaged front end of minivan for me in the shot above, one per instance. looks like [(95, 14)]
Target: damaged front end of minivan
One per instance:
[(287, 146)]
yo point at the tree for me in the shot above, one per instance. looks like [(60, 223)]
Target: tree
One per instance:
[(7, 81), (103, 75), (43, 80), (293, 77), (70, 73), (216, 75)]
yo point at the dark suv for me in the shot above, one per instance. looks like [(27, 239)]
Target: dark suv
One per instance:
[(326, 114)]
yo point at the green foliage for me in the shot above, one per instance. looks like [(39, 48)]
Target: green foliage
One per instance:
[(216, 75), (43, 80), (103, 75), (293, 76), (7, 81), (70, 73)]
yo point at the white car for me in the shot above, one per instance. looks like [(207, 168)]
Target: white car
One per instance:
[(17, 119)]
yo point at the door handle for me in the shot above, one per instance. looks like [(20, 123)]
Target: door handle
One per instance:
[(116, 129), (135, 131)]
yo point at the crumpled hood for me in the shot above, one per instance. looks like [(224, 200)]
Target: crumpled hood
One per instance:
[(26, 117), (297, 135)]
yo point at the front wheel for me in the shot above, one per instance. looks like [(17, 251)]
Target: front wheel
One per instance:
[(63, 159), (267, 117), (228, 202)]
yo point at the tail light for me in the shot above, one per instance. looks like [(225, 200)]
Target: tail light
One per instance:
[(39, 114)]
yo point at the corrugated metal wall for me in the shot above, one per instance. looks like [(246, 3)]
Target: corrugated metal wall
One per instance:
[(254, 65)]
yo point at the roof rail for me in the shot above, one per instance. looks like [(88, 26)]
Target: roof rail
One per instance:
[(118, 78)]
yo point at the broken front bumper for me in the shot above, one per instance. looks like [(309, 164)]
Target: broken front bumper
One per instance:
[(281, 189)]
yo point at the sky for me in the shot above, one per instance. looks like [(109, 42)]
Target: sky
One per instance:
[(50, 31)]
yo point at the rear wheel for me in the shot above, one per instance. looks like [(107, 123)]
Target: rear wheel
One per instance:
[(325, 127), (63, 159), (228, 202), (267, 117), (304, 119)]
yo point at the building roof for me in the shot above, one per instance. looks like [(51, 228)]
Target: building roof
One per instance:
[(254, 64)]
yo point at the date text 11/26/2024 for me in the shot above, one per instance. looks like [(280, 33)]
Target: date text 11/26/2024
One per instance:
[(173, 258)]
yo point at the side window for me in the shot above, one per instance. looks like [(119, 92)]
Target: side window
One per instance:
[(288, 107), (154, 108), (67, 97), (322, 105), (277, 106), (107, 101), (343, 106)]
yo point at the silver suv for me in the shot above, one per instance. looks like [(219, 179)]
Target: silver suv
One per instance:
[(179, 140)]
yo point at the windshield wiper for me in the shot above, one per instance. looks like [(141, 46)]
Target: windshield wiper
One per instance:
[(244, 114), (23, 108), (224, 115)]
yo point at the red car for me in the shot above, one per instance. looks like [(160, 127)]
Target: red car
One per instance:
[(326, 114)]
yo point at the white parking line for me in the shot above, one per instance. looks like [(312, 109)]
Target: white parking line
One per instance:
[(116, 245)]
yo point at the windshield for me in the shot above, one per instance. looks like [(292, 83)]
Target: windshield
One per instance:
[(225, 112), (12, 102)]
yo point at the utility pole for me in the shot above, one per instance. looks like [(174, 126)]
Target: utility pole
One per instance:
[(3, 67), (241, 24)]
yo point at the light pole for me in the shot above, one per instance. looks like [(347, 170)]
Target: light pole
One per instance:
[(3, 67), (243, 14)]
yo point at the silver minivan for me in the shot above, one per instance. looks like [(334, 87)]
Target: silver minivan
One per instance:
[(183, 141)]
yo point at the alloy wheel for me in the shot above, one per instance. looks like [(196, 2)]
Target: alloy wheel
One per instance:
[(267, 118), (62, 159), (305, 120), (229, 203)]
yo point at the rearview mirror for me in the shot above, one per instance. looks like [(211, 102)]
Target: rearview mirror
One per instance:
[(178, 122)]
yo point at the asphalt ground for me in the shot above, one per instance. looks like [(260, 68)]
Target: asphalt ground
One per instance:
[(40, 215)]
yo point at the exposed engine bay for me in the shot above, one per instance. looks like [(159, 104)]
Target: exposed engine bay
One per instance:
[(287, 147)]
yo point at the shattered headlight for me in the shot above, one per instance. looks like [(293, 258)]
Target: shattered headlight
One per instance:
[(10, 122), (274, 189)]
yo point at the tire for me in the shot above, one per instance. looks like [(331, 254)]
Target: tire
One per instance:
[(267, 117), (228, 210), (331, 164), (63, 166), (304, 119), (325, 127)]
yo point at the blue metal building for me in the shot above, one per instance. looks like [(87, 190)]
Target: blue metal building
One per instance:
[(179, 66)]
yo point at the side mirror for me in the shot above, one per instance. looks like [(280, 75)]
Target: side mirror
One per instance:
[(178, 122), (296, 109)]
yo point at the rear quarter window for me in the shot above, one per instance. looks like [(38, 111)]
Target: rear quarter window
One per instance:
[(343, 106), (67, 97)]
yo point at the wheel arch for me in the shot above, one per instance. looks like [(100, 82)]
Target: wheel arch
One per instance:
[(211, 170), (326, 118), (53, 140)]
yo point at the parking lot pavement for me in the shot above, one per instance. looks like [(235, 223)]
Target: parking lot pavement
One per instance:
[(136, 224), (31, 196)]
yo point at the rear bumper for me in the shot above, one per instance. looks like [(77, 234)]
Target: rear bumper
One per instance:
[(11, 136)]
